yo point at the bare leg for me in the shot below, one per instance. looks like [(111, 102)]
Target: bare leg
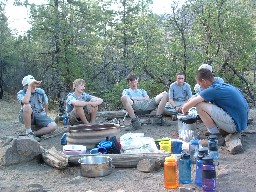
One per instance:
[(45, 130), (127, 103), (79, 112), (161, 100), (204, 110), (93, 112), (27, 111)]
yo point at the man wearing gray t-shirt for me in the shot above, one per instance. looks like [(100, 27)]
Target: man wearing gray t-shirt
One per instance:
[(179, 93), (135, 100)]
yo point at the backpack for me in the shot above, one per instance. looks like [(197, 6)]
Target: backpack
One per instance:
[(111, 145)]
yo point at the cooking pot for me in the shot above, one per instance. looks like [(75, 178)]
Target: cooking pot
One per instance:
[(96, 166)]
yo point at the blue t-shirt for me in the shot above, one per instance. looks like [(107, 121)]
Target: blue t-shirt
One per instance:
[(180, 92), (72, 96), (231, 100), (134, 93), (37, 100)]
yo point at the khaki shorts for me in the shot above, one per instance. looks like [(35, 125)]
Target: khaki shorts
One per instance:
[(222, 119), (73, 120), (146, 105)]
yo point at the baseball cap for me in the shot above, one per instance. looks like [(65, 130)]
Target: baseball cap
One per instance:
[(205, 66), (27, 80)]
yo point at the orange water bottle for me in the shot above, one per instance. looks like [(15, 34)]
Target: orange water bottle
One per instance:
[(170, 173)]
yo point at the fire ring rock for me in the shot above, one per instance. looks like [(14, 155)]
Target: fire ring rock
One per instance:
[(14, 150)]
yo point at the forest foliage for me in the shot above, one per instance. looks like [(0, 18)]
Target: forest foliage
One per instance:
[(102, 41)]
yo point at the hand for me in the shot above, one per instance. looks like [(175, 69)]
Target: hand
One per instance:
[(178, 109), (34, 83)]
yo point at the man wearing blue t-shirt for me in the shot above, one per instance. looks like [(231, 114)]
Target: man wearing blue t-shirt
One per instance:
[(34, 108), (135, 99), (81, 107), (219, 105)]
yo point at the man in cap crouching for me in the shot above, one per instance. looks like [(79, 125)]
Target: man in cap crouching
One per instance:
[(34, 108)]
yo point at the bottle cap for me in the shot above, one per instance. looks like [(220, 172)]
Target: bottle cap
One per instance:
[(207, 160), (213, 137), (194, 142), (203, 151), (185, 156), (170, 158)]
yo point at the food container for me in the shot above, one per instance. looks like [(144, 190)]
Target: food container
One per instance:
[(74, 149), (96, 166)]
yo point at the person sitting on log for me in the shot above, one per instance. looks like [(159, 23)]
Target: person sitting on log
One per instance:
[(134, 100), (81, 107), (179, 93), (221, 106), (34, 108)]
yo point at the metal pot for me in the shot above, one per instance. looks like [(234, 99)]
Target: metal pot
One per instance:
[(96, 166)]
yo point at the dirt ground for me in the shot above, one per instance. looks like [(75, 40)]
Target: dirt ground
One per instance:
[(235, 173)]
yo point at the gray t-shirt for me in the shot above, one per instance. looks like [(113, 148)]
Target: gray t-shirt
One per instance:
[(134, 93), (180, 92), (37, 100), (72, 96)]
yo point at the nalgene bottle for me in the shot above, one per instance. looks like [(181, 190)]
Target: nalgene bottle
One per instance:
[(208, 175), (202, 152), (184, 166), (170, 173)]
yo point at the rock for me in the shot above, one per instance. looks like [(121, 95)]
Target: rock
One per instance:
[(148, 165), (233, 143), (17, 150)]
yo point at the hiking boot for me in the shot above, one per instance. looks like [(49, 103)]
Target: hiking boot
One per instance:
[(174, 118), (135, 125), (157, 120), (32, 136)]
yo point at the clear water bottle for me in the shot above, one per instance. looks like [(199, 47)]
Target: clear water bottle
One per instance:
[(184, 166), (193, 149), (213, 146), (202, 152), (170, 173), (208, 174)]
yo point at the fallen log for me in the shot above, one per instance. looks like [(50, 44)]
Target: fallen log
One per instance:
[(148, 165), (55, 158), (125, 160)]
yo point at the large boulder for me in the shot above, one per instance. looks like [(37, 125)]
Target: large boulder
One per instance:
[(14, 150)]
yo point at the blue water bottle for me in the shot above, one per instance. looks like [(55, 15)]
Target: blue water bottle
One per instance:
[(202, 152), (63, 140), (213, 146), (208, 174), (184, 166), (65, 120)]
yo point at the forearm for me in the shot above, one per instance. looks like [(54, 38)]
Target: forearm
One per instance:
[(172, 103), (27, 96), (96, 101), (191, 103), (46, 107)]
